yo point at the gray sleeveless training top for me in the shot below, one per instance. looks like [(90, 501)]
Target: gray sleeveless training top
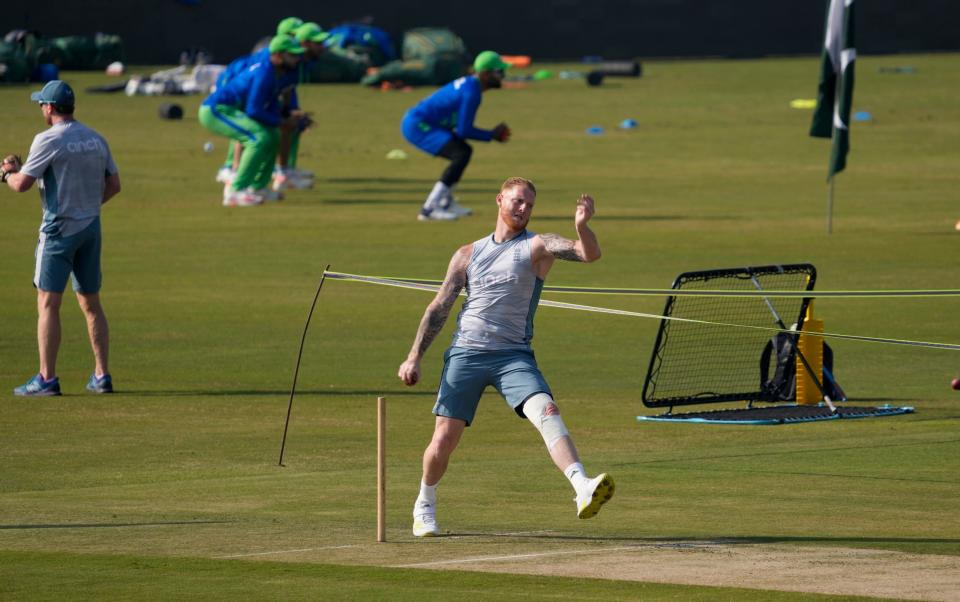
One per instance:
[(502, 296)]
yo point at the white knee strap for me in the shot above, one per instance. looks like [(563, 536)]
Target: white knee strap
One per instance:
[(541, 410)]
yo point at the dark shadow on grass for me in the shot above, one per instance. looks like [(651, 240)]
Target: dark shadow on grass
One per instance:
[(411, 202), (718, 540), (420, 190), (792, 452), (119, 525), (276, 392), (423, 181), (791, 473), (634, 218)]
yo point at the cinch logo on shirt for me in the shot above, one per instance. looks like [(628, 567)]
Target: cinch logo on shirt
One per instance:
[(83, 146), (494, 280)]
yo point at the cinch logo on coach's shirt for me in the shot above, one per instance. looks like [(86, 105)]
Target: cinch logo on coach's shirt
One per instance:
[(84, 146), (494, 280)]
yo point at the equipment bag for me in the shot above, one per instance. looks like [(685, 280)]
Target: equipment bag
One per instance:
[(782, 384)]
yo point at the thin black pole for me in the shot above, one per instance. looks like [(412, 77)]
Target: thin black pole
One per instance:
[(830, 206), (296, 370)]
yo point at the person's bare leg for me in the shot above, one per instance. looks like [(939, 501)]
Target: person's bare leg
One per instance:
[(97, 330), (446, 437), (544, 414), (48, 331), (564, 453)]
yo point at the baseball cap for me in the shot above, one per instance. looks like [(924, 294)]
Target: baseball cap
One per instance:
[(489, 60), (288, 26), (311, 32), (55, 92), (284, 43)]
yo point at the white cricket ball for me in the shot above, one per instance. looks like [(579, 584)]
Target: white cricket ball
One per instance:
[(208, 147)]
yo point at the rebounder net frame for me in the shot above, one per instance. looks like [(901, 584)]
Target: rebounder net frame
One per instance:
[(695, 363)]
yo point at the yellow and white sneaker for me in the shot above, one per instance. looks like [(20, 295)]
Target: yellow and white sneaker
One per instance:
[(425, 520), (598, 492)]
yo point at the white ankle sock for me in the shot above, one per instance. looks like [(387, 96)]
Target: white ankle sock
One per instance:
[(577, 475), (436, 196), (447, 198), (428, 493)]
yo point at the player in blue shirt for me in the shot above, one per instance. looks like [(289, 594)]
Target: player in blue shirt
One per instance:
[(247, 109), (441, 123), (287, 175)]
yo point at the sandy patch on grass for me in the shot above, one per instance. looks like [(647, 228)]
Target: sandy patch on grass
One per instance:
[(826, 570)]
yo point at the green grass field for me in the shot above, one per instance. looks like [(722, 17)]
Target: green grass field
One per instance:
[(170, 488)]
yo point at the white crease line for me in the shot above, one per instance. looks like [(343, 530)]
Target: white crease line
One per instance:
[(515, 533), (507, 534), (559, 553), (517, 556), (286, 551)]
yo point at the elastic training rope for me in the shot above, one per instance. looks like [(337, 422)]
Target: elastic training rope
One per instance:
[(434, 286), (586, 290)]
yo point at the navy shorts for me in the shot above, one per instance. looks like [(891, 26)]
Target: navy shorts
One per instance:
[(60, 256), (467, 372)]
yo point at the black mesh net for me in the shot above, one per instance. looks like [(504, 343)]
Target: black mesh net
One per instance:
[(702, 363)]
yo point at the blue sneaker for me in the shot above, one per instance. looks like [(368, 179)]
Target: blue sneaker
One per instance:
[(37, 387), (104, 384)]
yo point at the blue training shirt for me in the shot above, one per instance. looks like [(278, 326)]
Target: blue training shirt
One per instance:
[(255, 91), (453, 107), (238, 66), (287, 80)]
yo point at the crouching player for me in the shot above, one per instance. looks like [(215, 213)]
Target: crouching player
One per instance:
[(247, 109)]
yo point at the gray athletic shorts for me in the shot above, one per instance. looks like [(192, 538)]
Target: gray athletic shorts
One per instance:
[(57, 257), (467, 372)]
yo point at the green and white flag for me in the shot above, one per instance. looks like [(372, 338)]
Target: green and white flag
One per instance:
[(832, 116)]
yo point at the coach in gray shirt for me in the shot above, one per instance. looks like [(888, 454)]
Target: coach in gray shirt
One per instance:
[(76, 175)]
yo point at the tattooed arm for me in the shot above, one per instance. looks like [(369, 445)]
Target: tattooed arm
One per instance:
[(436, 314), (553, 246)]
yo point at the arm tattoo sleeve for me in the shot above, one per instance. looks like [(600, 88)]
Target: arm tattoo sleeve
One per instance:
[(438, 311), (560, 247)]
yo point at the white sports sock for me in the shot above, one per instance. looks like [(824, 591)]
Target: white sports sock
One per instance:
[(436, 196), (447, 198), (577, 475), (428, 493)]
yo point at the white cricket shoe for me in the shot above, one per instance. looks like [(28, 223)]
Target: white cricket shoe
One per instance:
[(303, 174), (290, 179), (270, 195), (225, 175), (597, 493), (457, 208), (299, 182), (425, 520), (436, 214), (242, 198)]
